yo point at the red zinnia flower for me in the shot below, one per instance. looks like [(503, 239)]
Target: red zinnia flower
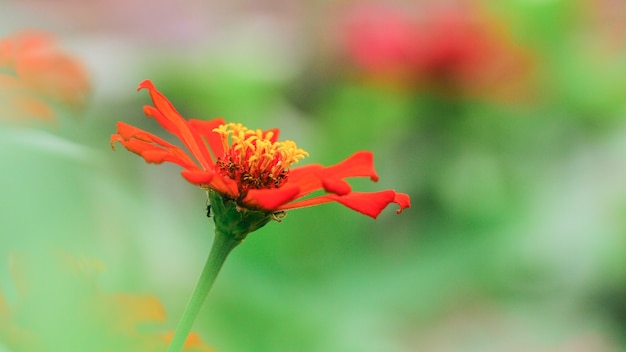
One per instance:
[(250, 167)]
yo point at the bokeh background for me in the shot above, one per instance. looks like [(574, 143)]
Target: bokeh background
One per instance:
[(505, 121)]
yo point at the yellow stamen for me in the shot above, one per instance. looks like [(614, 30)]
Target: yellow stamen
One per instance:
[(253, 160)]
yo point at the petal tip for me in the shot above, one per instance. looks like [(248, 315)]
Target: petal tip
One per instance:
[(147, 84), (403, 201), (114, 138)]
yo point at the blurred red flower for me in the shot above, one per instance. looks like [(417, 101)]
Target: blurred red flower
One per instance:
[(36, 76), (380, 39), (251, 167), (447, 46)]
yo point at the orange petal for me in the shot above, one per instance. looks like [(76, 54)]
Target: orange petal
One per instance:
[(213, 139), (313, 177), (367, 203), (212, 180), (359, 164), (307, 178), (152, 148), (338, 187), (172, 121), (271, 199), (172, 128)]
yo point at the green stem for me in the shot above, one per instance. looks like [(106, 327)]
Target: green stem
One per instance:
[(222, 245)]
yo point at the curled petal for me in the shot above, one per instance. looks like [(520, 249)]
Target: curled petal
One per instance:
[(166, 123), (171, 120), (152, 148), (403, 200), (370, 204), (128, 132), (313, 177), (359, 164)]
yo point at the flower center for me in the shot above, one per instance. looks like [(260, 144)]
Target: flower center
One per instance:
[(253, 160)]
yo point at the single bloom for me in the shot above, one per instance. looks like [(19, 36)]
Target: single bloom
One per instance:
[(251, 167)]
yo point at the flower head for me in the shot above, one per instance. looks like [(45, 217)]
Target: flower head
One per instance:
[(251, 168)]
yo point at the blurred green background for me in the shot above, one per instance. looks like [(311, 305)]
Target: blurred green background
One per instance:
[(505, 121)]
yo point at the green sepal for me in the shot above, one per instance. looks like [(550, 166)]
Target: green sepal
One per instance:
[(234, 221)]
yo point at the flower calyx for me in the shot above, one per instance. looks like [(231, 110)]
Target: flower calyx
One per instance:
[(234, 221)]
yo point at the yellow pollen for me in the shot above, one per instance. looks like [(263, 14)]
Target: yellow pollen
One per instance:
[(253, 160)]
